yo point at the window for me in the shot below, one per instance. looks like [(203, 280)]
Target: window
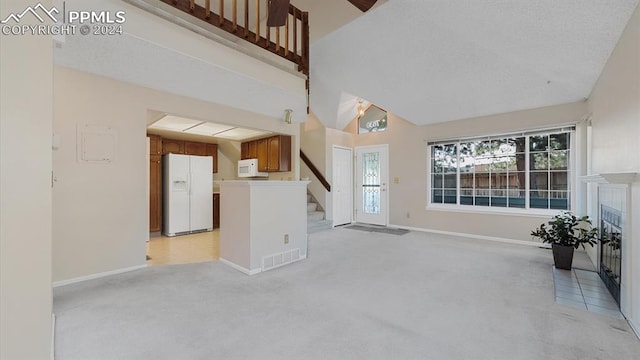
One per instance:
[(525, 171)]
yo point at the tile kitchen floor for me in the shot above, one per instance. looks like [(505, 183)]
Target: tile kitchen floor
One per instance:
[(184, 249)]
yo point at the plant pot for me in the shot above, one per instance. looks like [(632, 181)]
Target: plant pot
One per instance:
[(562, 256)]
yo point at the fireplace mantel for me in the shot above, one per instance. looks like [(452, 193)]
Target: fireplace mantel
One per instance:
[(611, 178)]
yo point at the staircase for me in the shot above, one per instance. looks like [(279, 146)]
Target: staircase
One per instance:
[(315, 217)]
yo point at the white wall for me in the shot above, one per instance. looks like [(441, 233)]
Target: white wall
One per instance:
[(100, 210), (312, 143), (615, 109), (159, 54), (254, 218), (25, 192)]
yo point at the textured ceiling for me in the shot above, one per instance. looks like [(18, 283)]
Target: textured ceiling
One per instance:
[(431, 61), (328, 15)]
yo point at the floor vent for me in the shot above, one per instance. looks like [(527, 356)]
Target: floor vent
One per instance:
[(276, 260)]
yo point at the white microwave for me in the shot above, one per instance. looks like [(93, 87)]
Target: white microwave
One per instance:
[(249, 168)]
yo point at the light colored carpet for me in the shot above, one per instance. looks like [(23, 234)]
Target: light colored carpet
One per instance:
[(358, 296)]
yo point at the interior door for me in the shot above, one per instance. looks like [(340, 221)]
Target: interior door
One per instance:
[(343, 185), (371, 184)]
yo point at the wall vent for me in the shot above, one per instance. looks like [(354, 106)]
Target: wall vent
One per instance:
[(276, 260)]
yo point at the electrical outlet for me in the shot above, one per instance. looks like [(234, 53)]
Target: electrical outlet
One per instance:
[(396, 180), (286, 238)]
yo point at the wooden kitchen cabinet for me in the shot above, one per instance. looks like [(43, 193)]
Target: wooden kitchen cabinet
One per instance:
[(262, 146), (273, 153), (216, 211), (195, 148), (249, 150), (155, 193), (279, 153), (253, 150), (244, 151), (212, 150), (170, 146), (155, 147)]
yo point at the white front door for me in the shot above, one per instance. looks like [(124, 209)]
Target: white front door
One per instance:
[(371, 184), (342, 185)]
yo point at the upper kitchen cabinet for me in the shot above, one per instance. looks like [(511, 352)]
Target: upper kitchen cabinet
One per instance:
[(212, 150), (195, 148), (273, 153), (249, 150), (155, 147), (262, 154), (170, 146), (279, 148)]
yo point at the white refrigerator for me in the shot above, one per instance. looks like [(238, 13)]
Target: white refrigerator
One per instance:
[(187, 196)]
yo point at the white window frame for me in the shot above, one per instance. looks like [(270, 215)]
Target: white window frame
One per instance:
[(527, 211)]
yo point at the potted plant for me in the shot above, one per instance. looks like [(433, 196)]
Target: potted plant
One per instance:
[(565, 232)]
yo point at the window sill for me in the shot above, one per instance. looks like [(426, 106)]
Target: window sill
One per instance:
[(538, 213)]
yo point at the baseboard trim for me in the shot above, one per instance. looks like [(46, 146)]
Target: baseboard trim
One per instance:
[(239, 268), (635, 328), (97, 276), (53, 336), (473, 236)]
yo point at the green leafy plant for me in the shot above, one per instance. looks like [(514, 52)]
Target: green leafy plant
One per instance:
[(566, 229)]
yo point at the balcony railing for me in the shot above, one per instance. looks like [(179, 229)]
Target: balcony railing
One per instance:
[(247, 19)]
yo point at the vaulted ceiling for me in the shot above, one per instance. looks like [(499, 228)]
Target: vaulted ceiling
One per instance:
[(431, 61)]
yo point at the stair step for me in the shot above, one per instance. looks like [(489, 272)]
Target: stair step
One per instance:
[(315, 216), (311, 207)]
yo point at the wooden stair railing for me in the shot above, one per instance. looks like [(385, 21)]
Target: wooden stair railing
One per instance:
[(315, 171), (291, 43)]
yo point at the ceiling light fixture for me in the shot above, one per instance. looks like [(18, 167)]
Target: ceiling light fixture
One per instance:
[(360, 108)]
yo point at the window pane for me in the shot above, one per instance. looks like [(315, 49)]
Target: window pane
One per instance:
[(371, 200), (517, 202), (559, 160), (466, 162), (538, 143), (516, 182), (538, 181), (498, 198), (466, 180), (520, 163), (481, 148), (559, 180), (539, 199), (436, 181), (482, 181), (481, 200), (539, 161), (520, 144), (559, 141), (436, 166), (450, 181), (466, 196), (500, 147), (499, 180), (450, 196), (483, 164), (499, 164), (559, 200), (436, 196)]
